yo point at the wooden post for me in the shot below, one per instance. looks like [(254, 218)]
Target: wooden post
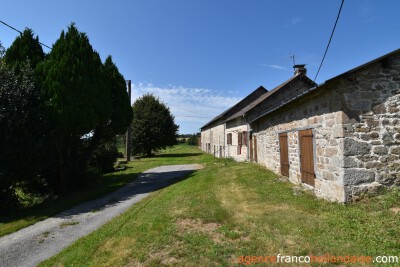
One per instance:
[(128, 132)]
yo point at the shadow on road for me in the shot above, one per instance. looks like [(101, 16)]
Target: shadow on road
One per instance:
[(145, 183)]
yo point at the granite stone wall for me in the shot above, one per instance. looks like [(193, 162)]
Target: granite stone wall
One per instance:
[(324, 117), (234, 127), (355, 120), (372, 129), (214, 135)]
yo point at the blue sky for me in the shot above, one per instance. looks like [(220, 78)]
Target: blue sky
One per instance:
[(202, 56)]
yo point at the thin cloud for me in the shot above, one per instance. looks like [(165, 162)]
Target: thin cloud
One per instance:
[(192, 107), (274, 66), (293, 21), (296, 20), (367, 11)]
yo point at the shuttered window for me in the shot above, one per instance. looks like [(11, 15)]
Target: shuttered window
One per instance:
[(283, 147), (244, 137), (229, 139), (307, 157)]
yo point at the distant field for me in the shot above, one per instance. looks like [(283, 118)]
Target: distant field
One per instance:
[(228, 210)]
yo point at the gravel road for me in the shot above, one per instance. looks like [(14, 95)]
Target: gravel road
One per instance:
[(33, 244)]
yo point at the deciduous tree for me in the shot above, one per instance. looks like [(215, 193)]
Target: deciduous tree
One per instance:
[(153, 126)]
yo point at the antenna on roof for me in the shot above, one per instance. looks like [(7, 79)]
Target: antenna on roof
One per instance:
[(292, 57)]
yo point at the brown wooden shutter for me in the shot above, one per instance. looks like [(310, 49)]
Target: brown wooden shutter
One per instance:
[(283, 147), (239, 138), (307, 157), (229, 139), (244, 135)]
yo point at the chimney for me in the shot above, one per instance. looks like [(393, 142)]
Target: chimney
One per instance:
[(300, 69)]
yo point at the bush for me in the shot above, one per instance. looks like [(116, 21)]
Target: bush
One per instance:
[(104, 157), (192, 140)]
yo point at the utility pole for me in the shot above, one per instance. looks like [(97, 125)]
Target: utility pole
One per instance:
[(128, 132)]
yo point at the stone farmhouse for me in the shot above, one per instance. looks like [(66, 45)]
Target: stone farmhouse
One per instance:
[(340, 138), (216, 139)]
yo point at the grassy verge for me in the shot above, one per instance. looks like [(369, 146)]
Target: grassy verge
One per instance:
[(108, 183), (228, 210)]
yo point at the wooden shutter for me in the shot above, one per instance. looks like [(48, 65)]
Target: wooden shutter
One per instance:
[(307, 157), (283, 147), (244, 136), (229, 139), (239, 147)]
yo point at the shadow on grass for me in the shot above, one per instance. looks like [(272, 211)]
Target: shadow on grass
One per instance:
[(168, 155), (115, 189), (53, 206), (178, 155)]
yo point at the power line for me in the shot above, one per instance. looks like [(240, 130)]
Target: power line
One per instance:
[(11, 27), (330, 39)]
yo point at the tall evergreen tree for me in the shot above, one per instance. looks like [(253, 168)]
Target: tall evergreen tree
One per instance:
[(76, 94), (21, 134), (2, 50), (153, 126), (25, 47), (102, 150), (122, 113)]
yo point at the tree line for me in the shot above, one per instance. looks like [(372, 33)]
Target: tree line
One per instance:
[(60, 114)]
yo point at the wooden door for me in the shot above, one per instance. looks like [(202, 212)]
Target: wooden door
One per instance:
[(307, 157), (283, 146)]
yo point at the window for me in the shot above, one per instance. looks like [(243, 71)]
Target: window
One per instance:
[(229, 139), (244, 138), (240, 140)]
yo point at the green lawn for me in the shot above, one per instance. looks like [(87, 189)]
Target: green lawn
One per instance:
[(108, 183), (228, 210)]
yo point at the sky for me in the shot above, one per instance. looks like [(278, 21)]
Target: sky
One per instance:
[(200, 57)]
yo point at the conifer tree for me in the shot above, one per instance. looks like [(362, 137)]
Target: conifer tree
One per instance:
[(76, 95), (25, 47)]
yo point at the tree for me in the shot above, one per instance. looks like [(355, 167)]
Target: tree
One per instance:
[(122, 113), (20, 130), (103, 151), (76, 95), (153, 126), (25, 47), (2, 51)]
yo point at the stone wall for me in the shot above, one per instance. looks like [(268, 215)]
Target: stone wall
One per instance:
[(372, 130), (355, 119), (215, 137), (235, 127), (321, 113)]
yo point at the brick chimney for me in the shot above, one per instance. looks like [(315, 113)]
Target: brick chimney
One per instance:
[(300, 69)]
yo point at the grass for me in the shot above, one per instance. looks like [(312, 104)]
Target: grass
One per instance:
[(228, 210), (109, 182)]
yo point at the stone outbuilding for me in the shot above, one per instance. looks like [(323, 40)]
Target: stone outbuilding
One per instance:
[(215, 139), (340, 138)]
